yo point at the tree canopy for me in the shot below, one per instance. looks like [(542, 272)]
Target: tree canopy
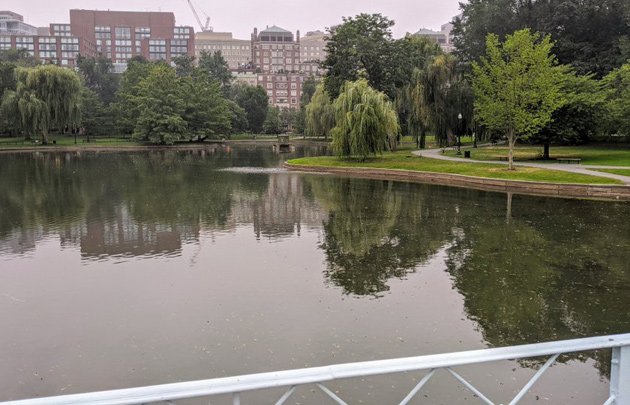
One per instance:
[(518, 85), (591, 36), (366, 122)]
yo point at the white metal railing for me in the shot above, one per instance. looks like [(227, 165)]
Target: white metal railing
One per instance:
[(619, 378)]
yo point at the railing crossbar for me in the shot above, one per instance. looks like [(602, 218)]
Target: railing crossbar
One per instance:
[(228, 385), (533, 380), (470, 386), (417, 388), (286, 395), (331, 394)]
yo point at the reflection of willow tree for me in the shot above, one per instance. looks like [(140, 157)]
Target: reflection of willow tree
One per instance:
[(174, 188), (536, 279), (375, 231), (41, 190)]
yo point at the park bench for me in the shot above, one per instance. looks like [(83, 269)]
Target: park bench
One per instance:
[(576, 161)]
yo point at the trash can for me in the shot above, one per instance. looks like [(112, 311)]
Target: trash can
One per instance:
[(467, 154)]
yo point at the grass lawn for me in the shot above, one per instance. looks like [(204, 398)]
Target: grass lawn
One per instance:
[(63, 140), (405, 160), (590, 155), (623, 172)]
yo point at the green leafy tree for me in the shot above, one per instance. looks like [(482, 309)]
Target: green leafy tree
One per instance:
[(361, 47), (308, 89), (272, 124), (569, 22), (98, 75), (161, 107), (238, 117), (366, 122), (320, 114), (617, 90), (20, 57), (96, 118), (126, 109), (46, 97), (580, 119), (184, 65), (255, 102), (518, 85), (206, 112), (434, 98), (216, 67)]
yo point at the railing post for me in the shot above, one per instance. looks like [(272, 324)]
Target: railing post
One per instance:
[(620, 375)]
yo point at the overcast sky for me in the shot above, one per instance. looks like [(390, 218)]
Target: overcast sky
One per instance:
[(241, 16)]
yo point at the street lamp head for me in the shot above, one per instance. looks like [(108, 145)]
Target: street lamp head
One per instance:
[(459, 116)]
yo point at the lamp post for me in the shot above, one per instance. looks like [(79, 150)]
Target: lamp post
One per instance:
[(459, 133)]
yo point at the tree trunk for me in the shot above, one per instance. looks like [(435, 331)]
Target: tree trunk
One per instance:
[(422, 139), (45, 136), (546, 151), (508, 214), (511, 142)]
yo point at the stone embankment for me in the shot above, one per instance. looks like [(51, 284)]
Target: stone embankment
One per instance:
[(588, 191)]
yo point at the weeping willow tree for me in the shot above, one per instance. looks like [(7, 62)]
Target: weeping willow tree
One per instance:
[(320, 115), (366, 122), (46, 97), (433, 99)]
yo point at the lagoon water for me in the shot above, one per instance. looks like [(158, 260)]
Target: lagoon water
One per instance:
[(128, 269)]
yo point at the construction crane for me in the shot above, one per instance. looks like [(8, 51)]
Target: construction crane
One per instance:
[(206, 27)]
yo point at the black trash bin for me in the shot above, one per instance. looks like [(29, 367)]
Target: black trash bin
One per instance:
[(466, 153)]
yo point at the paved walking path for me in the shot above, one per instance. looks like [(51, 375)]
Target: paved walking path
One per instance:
[(582, 169)]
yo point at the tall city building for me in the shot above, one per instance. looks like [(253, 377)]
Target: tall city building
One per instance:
[(13, 24), (121, 35), (276, 59), (236, 52), (43, 45), (313, 52)]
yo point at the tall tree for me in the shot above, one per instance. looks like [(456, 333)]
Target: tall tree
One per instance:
[(216, 67), (160, 105), (255, 102), (272, 124), (98, 76), (366, 122), (126, 107), (518, 85), (580, 119), (320, 115), (184, 65), (617, 90), (361, 47), (46, 97), (589, 35), (206, 111)]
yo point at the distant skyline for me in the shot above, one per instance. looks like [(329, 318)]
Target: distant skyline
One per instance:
[(241, 16)]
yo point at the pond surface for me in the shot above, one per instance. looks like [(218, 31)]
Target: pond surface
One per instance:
[(128, 269)]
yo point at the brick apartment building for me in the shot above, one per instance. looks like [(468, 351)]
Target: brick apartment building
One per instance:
[(118, 35), (121, 35), (276, 57), (40, 44)]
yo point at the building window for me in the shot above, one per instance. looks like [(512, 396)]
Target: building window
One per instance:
[(123, 33)]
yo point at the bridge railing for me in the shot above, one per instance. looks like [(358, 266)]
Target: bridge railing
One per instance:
[(291, 379)]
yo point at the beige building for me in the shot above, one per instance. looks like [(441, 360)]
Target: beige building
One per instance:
[(312, 53), (313, 46), (236, 52)]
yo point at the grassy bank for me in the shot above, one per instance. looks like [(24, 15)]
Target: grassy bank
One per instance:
[(406, 161), (65, 141), (590, 155)]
